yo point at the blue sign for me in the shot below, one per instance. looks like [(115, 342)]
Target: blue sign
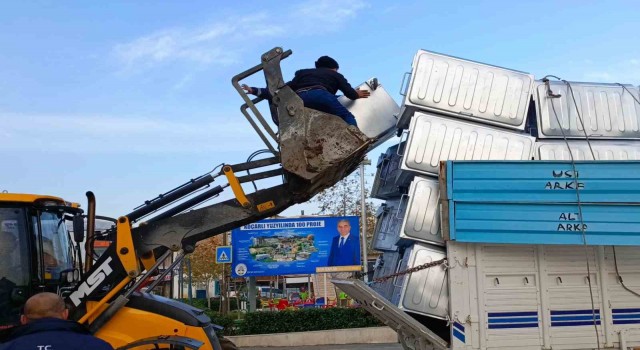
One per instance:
[(296, 246), (223, 255)]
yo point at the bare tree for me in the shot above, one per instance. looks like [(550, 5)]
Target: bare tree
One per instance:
[(204, 269), (343, 199)]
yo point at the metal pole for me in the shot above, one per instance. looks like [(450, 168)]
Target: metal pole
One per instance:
[(252, 294), (172, 285), (363, 219), (181, 280), (324, 275), (223, 286), (189, 291)]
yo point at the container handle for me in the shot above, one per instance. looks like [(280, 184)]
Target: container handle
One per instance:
[(405, 133), (404, 195), (402, 84), (496, 281), (526, 280), (385, 161), (559, 280), (395, 279), (379, 308), (373, 84)]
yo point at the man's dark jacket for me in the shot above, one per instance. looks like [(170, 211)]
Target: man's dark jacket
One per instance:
[(53, 334), (328, 79)]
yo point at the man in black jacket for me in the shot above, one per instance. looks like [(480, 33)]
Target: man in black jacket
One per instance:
[(317, 88), (45, 327)]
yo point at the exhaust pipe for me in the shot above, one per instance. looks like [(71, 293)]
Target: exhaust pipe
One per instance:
[(91, 226)]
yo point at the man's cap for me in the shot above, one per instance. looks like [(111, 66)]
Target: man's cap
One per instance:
[(327, 62)]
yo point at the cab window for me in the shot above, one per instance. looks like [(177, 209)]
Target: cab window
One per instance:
[(14, 248), (56, 245)]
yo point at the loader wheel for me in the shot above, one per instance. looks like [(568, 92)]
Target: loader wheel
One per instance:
[(227, 344)]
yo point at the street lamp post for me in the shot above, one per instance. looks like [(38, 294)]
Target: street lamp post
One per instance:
[(363, 219)]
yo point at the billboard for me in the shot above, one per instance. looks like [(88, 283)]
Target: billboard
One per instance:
[(296, 246)]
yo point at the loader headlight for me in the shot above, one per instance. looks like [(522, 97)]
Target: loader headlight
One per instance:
[(70, 276)]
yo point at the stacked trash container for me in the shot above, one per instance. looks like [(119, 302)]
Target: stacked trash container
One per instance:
[(594, 121), (456, 109)]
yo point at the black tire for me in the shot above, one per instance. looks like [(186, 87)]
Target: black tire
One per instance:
[(227, 344)]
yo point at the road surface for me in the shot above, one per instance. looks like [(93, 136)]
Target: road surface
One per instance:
[(336, 347)]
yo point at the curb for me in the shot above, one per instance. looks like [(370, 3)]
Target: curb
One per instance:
[(369, 335)]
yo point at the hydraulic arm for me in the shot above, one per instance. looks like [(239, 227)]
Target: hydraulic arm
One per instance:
[(315, 150)]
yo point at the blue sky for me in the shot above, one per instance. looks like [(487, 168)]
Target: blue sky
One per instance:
[(131, 99)]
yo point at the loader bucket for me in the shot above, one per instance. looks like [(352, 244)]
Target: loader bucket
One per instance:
[(317, 147)]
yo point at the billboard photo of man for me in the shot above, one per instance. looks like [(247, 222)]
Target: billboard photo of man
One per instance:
[(345, 247)]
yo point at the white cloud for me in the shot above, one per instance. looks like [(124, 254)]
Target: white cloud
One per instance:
[(390, 9), (103, 134), (224, 41), (156, 47), (167, 46), (598, 76), (183, 82), (624, 71), (326, 14)]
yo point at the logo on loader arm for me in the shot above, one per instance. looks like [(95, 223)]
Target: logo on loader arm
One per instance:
[(88, 286)]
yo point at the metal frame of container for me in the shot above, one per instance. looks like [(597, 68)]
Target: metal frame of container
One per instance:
[(468, 90), (433, 139), (608, 111)]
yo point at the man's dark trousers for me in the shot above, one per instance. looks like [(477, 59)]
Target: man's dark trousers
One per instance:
[(324, 101)]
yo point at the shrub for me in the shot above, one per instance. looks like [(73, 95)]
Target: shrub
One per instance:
[(306, 320), (197, 303), (227, 322), (215, 303), (303, 320)]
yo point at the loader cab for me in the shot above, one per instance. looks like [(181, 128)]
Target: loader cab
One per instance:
[(36, 250)]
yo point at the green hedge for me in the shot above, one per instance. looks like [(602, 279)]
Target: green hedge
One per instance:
[(198, 303), (264, 322), (215, 303), (303, 320), (228, 322)]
